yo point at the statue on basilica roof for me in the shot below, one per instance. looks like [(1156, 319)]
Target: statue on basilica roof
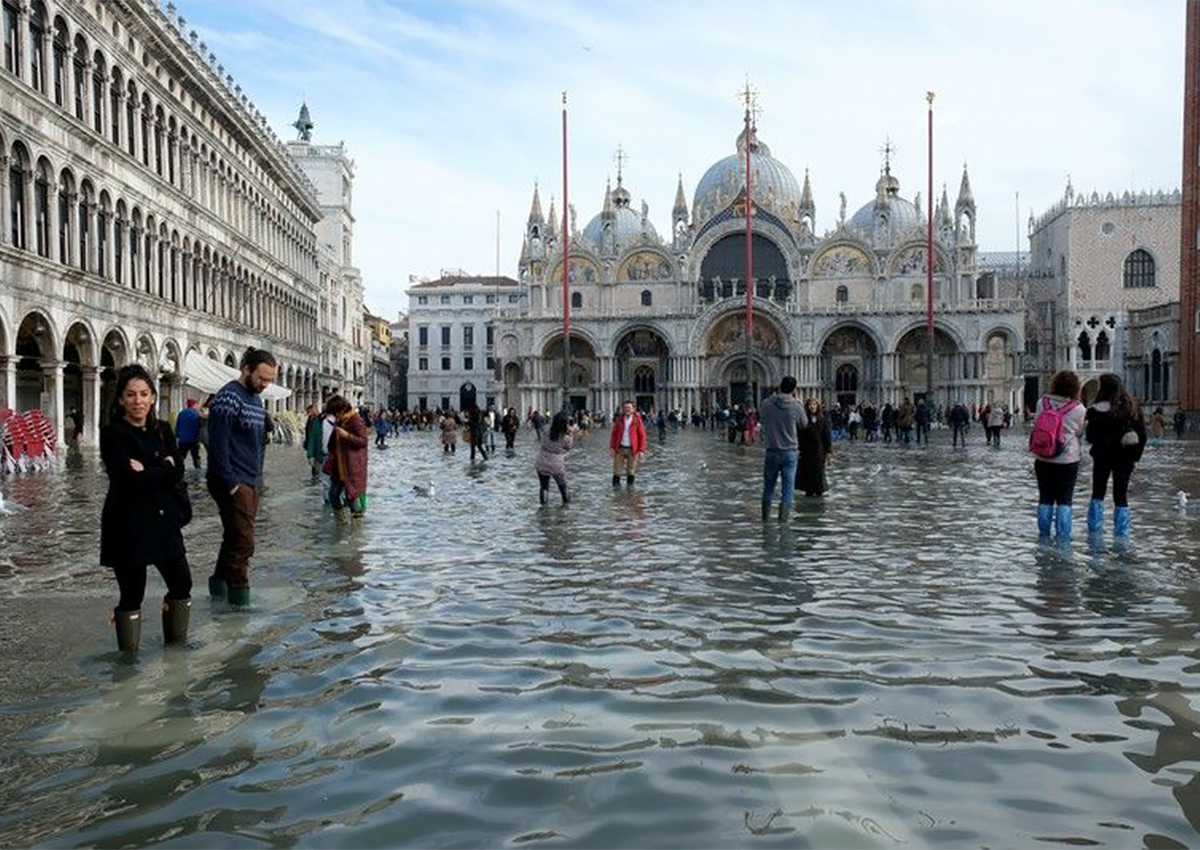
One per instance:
[(304, 124)]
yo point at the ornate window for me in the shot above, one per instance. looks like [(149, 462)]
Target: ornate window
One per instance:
[(1103, 351), (647, 298), (12, 40), (843, 295), (643, 380), (1085, 347), (1139, 270), (576, 300), (37, 60)]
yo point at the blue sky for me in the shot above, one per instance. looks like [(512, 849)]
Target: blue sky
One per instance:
[(451, 109)]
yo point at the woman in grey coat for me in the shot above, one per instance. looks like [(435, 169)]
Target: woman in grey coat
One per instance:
[(551, 457)]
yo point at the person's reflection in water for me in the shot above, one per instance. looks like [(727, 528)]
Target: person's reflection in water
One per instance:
[(1057, 590)]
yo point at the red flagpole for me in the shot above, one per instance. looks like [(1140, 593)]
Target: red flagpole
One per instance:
[(929, 264), (566, 270), (749, 265)]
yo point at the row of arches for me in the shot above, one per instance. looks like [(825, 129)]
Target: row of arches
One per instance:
[(59, 63), (77, 223), (851, 364), (74, 371)]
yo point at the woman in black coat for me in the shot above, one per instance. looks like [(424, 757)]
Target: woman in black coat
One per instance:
[(815, 445), (1117, 433), (144, 513)]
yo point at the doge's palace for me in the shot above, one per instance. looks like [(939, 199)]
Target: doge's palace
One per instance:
[(146, 211)]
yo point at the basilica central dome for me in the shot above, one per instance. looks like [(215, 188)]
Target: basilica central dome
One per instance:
[(775, 187)]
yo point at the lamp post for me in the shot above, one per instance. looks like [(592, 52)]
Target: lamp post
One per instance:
[(929, 265), (566, 270), (748, 98)]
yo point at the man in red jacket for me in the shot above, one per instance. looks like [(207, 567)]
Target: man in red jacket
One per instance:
[(628, 443)]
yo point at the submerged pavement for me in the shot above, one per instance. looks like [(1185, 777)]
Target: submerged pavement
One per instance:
[(902, 663)]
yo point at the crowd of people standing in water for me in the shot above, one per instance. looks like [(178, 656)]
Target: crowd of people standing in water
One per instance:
[(147, 505)]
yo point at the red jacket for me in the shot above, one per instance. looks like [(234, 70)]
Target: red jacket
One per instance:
[(637, 434)]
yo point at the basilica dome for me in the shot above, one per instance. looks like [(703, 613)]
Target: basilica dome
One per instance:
[(629, 226), (775, 187), (903, 214)]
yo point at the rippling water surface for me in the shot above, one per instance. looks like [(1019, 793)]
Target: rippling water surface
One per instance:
[(902, 664)]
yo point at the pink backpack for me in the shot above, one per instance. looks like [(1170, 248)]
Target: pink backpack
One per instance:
[(1046, 441)]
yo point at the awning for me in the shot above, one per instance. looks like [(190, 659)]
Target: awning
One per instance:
[(208, 376)]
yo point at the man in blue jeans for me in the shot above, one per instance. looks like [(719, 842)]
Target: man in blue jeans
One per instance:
[(781, 416)]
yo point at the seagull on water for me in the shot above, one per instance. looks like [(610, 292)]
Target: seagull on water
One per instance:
[(425, 489), (1181, 500)]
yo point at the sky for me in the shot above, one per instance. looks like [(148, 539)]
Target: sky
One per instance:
[(452, 110)]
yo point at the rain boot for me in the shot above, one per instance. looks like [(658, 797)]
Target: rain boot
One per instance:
[(175, 616), (1045, 516), (239, 597), (218, 588), (1095, 516), (766, 511), (629, 480), (1121, 522), (339, 514), (129, 629), (616, 480), (1062, 522), (542, 494)]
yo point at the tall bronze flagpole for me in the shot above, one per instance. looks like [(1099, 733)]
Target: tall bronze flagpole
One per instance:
[(929, 266), (566, 270)]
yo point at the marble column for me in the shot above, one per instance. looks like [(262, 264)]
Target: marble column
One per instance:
[(91, 405), (8, 369), (53, 370)]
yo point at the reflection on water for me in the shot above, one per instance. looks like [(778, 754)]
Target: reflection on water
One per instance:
[(902, 663)]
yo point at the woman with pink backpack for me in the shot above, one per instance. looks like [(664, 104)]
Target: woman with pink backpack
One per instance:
[(1054, 443)]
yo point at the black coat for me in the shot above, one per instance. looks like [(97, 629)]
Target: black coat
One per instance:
[(815, 445), (1104, 430), (140, 522)]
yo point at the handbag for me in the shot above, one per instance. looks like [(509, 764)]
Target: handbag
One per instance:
[(179, 490)]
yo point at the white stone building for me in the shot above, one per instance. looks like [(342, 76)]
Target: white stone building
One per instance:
[(451, 342), (660, 319), (1097, 260), (146, 210)]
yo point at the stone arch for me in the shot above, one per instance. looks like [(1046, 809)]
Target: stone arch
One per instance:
[(36, 342), (724, 262), (850, 363), (6, 333), (45, 334), (911, 355), (782, 240), (642, 360), (1016, 335), (81, 336), (145, 351), (555, 335), (230, 360), (900, 259), (857, 324), (720, 311), (951, 332)]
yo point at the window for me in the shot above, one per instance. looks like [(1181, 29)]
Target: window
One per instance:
[(512, 299), (445, 364), (1139, 270), (423, 335), (12, 40), (468, 299), (445, 334), (491, 364), (490, 299), (647, 298), (576, 300), (36, 58), (490, 334), (843, 295), (445, 299), (422, 299), (445, 402), (468, 336), (468, 364), (423, 364)]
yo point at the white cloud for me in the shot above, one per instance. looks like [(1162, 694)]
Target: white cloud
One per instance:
[(452, 109)]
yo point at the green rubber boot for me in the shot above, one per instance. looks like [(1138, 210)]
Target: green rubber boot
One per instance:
[(175, 617), (239, 597), (218, 588), (129, 629)]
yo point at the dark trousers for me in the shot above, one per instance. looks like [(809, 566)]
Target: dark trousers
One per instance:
[(238, 513), (993, 432), (922, 431), (1102, 467), (544, 489), (132, 583), (959, 433), (887, 433), (380, 439), (186, 449), (1056, 482), (477, 445), (510, 437)]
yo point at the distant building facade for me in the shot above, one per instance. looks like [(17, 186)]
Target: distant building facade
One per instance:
[(398, 351), (451, 338), (379, 367), (1095, 262)]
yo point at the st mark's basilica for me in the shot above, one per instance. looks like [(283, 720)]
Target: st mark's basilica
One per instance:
[(661, 319)]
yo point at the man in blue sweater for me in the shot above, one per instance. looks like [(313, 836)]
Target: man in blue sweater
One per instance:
[(235, 453)]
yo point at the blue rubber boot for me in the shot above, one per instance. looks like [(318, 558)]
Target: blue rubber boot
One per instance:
[(1045, 516), (1121, 522), (1095, 516), (1063, 522)]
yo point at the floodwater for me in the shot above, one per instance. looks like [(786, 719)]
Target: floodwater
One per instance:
[(902, 664)]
